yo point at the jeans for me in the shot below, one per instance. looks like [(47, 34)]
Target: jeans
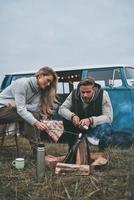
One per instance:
[(102, 132)]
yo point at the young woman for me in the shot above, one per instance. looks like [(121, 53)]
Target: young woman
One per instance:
[(28, 100)]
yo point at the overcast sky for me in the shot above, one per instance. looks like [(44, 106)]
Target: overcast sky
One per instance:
[(34, 33)]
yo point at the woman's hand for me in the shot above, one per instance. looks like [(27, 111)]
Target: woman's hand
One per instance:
[(9, 106), (41, 126)]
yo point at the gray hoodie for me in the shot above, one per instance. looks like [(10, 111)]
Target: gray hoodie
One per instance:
[(25, 93)]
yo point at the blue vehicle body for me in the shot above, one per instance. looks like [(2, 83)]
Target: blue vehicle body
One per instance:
[(118, 81), (121, 95)]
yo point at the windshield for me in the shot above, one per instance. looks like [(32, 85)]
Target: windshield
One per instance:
[(107, 77)]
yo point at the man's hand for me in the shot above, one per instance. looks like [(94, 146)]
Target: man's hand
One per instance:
[(75, 120), (83, 122), (41, 126)]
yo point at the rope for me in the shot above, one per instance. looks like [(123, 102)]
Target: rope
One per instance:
[(65, 131)]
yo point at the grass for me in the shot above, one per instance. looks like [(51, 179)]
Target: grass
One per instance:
[(112, 182)]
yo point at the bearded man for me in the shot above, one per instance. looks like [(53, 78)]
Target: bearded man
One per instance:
[(87, 110)]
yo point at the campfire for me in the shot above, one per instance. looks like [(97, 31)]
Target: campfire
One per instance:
[(79, 160)]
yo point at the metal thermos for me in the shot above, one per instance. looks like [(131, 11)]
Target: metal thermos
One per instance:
[(40, 160)]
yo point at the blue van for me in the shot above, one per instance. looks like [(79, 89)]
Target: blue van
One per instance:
[(117, 80)]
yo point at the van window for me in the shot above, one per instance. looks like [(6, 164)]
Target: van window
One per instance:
[(68, 80), (107, 77), (75, 84), (130, 76), (63, 88), (21, 76)]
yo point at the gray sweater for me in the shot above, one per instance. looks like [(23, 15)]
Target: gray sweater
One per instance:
[(25, 93)]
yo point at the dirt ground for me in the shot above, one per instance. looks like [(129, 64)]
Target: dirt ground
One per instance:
[(115, 181)]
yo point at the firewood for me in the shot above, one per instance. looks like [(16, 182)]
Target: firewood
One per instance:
[(96, 155), (100, 161), (52, 160), (72, 168), (82, 155)]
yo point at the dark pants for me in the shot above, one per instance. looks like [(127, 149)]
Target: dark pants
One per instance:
[(70, 134), (101, 132), (31, 133)]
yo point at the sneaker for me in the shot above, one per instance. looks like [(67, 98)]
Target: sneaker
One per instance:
[(93, 141)]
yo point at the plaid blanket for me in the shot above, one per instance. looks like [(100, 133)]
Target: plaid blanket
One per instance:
[(55, 129)]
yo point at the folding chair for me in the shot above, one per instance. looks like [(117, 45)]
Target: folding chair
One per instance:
[(3, 135)]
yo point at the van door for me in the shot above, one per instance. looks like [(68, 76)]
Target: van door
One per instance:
[(113, 81), (129, 78)]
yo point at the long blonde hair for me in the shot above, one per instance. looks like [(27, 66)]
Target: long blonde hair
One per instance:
[(49, 93)]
